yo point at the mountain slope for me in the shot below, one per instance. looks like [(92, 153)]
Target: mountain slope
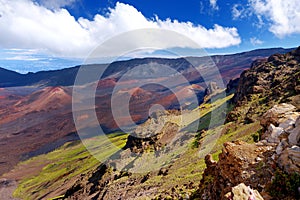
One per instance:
[(34, 124), (268, 93), (265, 84), (9, 78)]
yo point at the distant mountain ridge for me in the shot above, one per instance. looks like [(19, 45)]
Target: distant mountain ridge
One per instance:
[(233, 64)]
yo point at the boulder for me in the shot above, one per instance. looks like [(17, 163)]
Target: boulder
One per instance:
[(289, 160), (287, 123), (274, 133), (278, 111), (281, 146), (239, 162), (294, 137), (242, 192)]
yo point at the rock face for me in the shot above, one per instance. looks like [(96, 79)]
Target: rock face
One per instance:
[(146, 138), (239, 162), (294, 137), (289, 159), (232, 85), (265, 84), (242, 192), (278, 111), (285, 135), (255, 164)]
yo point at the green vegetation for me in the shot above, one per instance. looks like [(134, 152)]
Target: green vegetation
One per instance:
[(285, 185), (65, 163), (257, 135), (58, 197)]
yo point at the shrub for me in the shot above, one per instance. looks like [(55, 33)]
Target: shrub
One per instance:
[(285, 185)]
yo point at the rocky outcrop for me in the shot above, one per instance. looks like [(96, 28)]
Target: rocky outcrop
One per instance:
[(211, 88), (255, 164), (242, 192), (149, 152), (239, 162), (138, 143), (283, 111), (232, 86), (282, 125), (265, 84)]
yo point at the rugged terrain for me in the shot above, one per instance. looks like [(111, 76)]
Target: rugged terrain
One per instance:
[(35, 108), (260, 166), (272, 165), (260, 137)]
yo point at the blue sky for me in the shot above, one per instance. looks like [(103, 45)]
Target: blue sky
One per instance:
[(53, 34)]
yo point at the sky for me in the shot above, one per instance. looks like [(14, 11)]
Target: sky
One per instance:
[(40, 35)]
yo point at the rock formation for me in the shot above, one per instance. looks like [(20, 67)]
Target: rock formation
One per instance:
[(265, 84), (242, 192), (268, 92), (255, 164)]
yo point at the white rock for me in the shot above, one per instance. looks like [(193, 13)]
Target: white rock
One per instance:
[(275, 113), (288, 123), (295, 148), (289, 160), (294, 137), (281, 146), (275, 132), (283, 108), (273, 157), (242, 192), (258, 159)]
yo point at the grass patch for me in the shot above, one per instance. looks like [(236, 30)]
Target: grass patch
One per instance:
[(66, 162)]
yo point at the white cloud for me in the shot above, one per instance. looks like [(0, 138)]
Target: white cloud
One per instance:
[(255, 41), (239, 11), (213, 4), (55, 4), (22, 55), (23, 58), (25, 24), (283, 16), (236, 12)]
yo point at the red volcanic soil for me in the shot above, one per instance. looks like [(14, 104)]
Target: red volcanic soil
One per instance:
[(29, 123), (107, 83), (45, 100), (36, 120)]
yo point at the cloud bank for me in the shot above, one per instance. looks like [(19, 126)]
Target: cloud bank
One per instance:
[(27, 24), (280, 16), (284, 16)]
